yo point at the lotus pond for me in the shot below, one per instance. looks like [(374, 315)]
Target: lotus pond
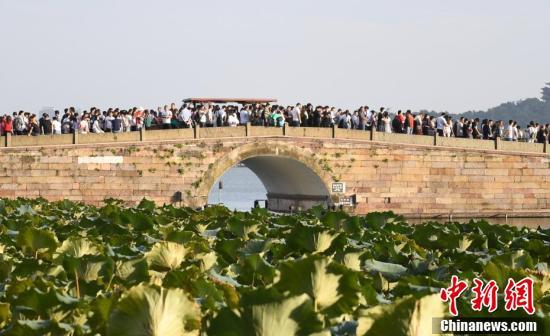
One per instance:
[(72, 269)]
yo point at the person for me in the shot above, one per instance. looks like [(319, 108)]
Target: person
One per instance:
[(34, 127), (19, 124), (66, 125), (458, 127), (95, 126), (418, 119), (166, 117), (277, 118), (295, 115), (355, 120), (149, 118), (346, 117), (221, 116), (518, 132), (232, 120), (476, 134), (55, 126), (46, 124), (409, 122), (398, 123), (185, 116), (317, 117), (486, 130), (426, 125), (386, 122), (448, 128), (379, 121), (440, 123), (116, 123), (542, 134), (244, 115), (108, 122), (126, 121), (7, 125), (531, 132), (467, 129), (510, 132), (84, 125)]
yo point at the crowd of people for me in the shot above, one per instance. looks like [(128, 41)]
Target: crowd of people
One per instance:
[(189, 115)]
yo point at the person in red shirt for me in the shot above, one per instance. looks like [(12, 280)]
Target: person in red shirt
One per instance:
[(398, 123), (7, 126), (409, 122)]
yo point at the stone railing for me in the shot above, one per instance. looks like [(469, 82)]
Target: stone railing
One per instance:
[(261, 131)]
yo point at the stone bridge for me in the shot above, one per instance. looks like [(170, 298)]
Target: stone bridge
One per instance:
[(419, 176)]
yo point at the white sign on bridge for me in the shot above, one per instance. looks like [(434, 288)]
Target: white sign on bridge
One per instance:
[(338, 187)]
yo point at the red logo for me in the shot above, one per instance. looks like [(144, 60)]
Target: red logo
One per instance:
[(519, 295), (516, 295), (452, 293), (484, 296)]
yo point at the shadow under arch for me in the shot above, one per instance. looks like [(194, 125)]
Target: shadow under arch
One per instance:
[(290, 174)]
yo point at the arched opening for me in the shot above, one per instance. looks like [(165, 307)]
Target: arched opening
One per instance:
[(288, 185)]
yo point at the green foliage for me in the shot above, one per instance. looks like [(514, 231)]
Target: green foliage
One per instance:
[(546, 93), (523, 111), (71, 269)]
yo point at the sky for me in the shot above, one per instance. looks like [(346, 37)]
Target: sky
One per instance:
[(425, 54)]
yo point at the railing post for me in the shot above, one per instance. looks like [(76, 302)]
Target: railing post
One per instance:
[(8, 139), (285, 127), (372, 133), (435, 138), (247, 129), (497, 143), (75, 137), (197, 131), (333, 131), (142, 134)]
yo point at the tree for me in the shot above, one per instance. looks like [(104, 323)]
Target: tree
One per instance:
[(546, 93)]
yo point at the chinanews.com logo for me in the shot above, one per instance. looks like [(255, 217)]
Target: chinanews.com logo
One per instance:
[(518, 295)]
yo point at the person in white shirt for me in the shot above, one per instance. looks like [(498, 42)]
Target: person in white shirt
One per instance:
[(296, 115), (244, 115), (95, 127), (209, 116), (518, 132), (185, 116), (84, 126), (440, 124), (232, 120), (531, 132), (166, 117), (56, 126), (510, 132)]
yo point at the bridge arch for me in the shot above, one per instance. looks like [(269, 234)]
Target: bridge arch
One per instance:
[(291, 175)]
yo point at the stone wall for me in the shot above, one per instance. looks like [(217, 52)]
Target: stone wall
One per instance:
[(417, 179)]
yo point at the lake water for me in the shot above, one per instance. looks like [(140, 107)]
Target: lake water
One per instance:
[(241, 187)]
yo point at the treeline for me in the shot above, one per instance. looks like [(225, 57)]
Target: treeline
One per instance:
[(523, 111)]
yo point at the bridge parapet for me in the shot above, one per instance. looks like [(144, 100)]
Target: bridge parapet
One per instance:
[(261, 131)]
